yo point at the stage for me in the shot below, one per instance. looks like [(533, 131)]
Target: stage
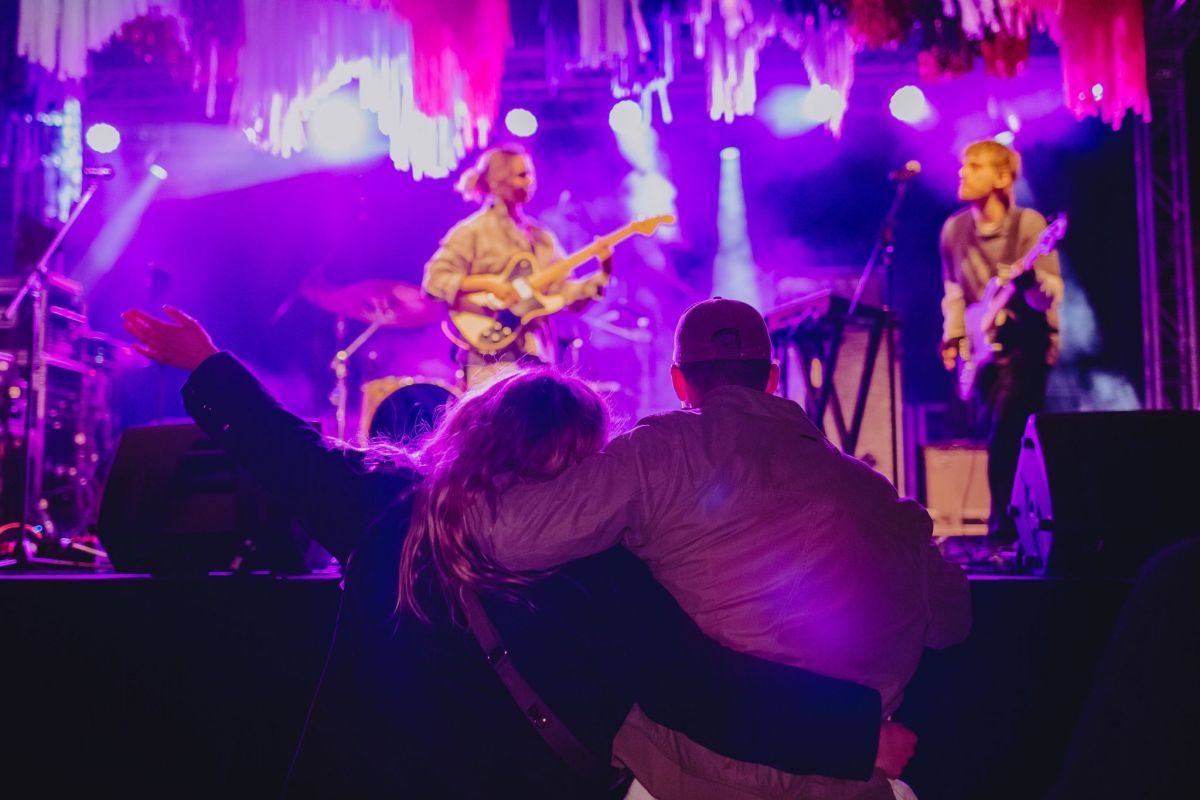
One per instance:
[(199, 687)]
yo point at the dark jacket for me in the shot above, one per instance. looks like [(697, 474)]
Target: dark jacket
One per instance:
[(413, 709)]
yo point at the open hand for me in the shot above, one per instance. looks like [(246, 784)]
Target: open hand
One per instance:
[(896, 746), (182, 343)]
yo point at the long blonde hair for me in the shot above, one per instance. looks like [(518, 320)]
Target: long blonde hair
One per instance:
[(525, 426), (474, 184)]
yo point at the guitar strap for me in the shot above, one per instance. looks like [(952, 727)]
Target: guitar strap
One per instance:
[(552, 729), (1013, 223)]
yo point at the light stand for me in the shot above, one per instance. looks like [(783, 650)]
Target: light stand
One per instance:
[(33, 425)]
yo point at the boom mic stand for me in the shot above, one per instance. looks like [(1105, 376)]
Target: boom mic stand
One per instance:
[(882, 254), (33, 424)]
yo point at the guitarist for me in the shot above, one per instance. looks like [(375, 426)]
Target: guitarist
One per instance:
[(980, 242), (476, 250)]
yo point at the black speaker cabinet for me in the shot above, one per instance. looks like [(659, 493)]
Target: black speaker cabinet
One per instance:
[(175, 503), (1097, 493)]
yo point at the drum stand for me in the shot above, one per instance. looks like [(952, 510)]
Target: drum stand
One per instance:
[(32, 513), (339, 394)]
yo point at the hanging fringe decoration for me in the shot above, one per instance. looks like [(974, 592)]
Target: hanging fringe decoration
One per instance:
[(882, 23), (1103, 50), (827, 49), (433, 108), (59, 35), (458, 51)]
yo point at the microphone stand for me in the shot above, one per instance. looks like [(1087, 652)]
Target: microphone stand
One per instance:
[(33, 425), (882, 254)]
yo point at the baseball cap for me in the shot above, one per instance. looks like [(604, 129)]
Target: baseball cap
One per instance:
[(719, 328)]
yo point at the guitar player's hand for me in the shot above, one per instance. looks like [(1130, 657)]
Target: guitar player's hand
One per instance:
[(494, 284), (949, 352)]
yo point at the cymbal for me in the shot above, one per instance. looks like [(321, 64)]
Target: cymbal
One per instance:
[(392, 304)]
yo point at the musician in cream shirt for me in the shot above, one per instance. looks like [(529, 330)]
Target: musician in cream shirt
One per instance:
[(979, 243), (475, 252)]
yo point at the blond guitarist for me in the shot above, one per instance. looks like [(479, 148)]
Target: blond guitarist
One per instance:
[(475, 252), (979, 243)]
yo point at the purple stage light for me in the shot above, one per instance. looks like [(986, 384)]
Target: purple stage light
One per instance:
[(1005, 138), (626, 117), (521, 122), (103, 138), (158, 171), (730, 154), (909, 105), (338, 127), (823, 103)]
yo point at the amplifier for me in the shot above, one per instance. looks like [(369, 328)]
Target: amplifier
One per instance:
[(954, 487)]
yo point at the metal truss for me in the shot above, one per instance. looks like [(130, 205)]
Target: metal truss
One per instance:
[(1168, 283)]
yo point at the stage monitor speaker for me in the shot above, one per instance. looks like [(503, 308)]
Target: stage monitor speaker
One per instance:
[(1097, 493), (175, 503)]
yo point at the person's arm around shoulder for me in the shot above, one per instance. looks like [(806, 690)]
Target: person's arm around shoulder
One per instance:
[(583, 511)]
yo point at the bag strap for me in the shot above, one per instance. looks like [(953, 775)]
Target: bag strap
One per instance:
[(544, 721)]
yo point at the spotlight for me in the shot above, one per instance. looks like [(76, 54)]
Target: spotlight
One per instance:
[(521, 122), (730, 154), (103, 138), (338, 127), (626, 117), (823, 103), (1098, 92), (1005, 138), (1014, 122), (909, 105), (157, 171)]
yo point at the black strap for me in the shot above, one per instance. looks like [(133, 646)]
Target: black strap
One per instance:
[(544, 721)]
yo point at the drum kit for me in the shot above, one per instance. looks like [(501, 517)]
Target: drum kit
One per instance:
[(393, 407)]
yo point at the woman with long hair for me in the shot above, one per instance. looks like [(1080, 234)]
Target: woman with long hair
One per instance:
[(409, 702)]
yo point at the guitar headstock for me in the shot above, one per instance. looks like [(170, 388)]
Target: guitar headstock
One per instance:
[(648, 225), (1056, 229)]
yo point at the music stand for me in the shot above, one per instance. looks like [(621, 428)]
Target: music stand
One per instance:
[(33, 424)]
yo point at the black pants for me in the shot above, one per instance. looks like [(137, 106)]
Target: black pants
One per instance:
[(1011, 388)]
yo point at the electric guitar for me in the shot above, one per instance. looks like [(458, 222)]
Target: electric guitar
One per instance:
[(488, 325), (984, 317)]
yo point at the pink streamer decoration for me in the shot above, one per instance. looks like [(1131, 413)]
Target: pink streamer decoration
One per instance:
[(455, 44), (1103, 50)]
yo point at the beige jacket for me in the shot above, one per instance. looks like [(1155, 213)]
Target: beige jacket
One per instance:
[(773, 540)]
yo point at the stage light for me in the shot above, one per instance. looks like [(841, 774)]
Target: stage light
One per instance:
[(909, 105), (103, 138), (626, 117), (338, 127), (1014, 122), (734, 271), (157, 171), (1098, 92), (1005, 138), (823, 103), (521, 122)]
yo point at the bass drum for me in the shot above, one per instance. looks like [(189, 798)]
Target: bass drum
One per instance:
[(398, 408)]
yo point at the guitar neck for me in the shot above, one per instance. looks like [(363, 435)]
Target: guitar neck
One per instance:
[(561, 269)]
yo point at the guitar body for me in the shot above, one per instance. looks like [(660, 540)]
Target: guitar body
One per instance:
[(983, 318), (489, 326), (978, 347)]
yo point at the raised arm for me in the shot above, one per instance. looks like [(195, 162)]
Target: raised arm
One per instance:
[(583, 511), (328, 487)]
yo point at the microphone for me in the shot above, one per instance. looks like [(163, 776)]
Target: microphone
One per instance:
[(910, 169), (99, 173)]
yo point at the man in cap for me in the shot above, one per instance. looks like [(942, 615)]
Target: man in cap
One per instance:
[(773, 540)]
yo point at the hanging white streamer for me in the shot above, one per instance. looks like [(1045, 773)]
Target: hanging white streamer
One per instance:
[(59, 34)]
